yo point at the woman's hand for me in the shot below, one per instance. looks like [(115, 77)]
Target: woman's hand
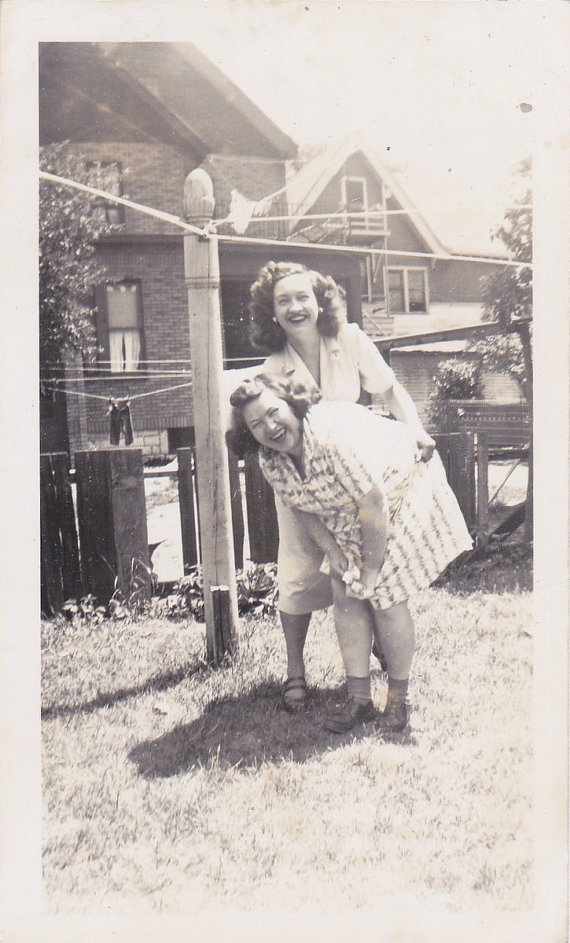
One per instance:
[(425, 445), (337, 560), (360, 583)]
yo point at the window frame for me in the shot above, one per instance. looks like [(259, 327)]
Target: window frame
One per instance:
[(102, 318), (405, 269), (92, 170)]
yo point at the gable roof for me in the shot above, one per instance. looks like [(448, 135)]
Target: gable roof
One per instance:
[(83, 97), (204, 99), (304, 188)]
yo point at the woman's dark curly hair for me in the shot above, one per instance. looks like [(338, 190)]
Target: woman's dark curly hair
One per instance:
[(238, 437), (265, 334)]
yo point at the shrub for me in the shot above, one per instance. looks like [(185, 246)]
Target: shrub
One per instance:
[(455, 379)]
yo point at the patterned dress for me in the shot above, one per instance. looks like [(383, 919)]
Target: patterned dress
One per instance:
[(347, 450)]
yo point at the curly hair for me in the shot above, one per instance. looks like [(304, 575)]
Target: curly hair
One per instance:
[(299, 397), (268, 336)]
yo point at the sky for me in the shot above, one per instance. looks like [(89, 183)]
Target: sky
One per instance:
[(445, 91)]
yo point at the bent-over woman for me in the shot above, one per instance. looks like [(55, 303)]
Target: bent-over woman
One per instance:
[(386, 524)]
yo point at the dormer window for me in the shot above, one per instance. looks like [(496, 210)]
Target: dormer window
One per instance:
[(353, 194)]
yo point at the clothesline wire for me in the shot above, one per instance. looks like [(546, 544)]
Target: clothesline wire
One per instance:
[(112, 197), (252, 240), (120, 377), (352, 214), (135, 396)]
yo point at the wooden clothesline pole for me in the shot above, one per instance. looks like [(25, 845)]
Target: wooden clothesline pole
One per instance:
[(202, 272)]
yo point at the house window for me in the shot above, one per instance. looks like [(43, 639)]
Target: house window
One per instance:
[(354, 195), (120, 325), (106, 175), (407, 290)]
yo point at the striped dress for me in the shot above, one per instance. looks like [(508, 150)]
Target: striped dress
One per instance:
[(347, 450)]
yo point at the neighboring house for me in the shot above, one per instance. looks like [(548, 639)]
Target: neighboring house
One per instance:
[(142, 116), (414, 284)]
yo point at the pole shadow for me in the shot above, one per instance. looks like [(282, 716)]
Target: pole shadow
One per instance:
[(245, 731)]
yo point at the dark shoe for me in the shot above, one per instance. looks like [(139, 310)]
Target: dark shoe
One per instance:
[(379, 655), (393, 719), (295, 694), (351, 714)]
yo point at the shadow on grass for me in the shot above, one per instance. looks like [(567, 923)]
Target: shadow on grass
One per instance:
[(499, 568), (245, 731), (160, 682)]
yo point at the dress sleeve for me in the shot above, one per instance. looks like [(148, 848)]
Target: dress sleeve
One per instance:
[(375, 374)]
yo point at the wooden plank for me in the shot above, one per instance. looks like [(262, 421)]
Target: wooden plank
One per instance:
[(429, 337), (462, 454), (262, 524), (112, 523), (457, 453), (95, 520), (238, 526), (71, 572), (52, 595), (482, 489), (187, 515)]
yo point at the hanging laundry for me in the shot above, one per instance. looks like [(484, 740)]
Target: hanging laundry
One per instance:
[(119, 410)]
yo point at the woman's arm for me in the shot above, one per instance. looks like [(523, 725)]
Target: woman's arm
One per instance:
[(325, 541), (373, 518), (377, 377)]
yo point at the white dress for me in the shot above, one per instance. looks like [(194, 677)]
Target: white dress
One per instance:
[(347, 450)]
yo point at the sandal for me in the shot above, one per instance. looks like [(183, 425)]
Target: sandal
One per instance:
[(294, 694)]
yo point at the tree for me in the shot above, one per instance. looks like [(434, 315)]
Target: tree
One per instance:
[(507, 294), (69, 222), (507, 298)]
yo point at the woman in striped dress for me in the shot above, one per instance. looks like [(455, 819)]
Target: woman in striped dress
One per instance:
[(387, 523)]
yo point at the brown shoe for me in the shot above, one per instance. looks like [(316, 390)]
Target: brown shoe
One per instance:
[(394, 718), (295, 695), (349, 715)]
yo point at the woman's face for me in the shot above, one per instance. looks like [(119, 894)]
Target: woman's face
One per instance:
[(273, 423), (295, 305)]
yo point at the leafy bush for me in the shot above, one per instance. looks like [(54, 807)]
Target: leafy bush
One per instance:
[(455, 379), (256, 592)]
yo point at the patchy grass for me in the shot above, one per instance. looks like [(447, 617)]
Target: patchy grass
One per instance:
[(172, 786)]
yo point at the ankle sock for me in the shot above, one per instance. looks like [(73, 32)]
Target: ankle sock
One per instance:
[(359, 688), (397, 689)]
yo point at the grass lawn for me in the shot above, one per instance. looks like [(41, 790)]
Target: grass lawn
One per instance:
[(170, 786)]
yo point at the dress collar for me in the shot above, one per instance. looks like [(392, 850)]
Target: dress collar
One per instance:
[(330, 347)]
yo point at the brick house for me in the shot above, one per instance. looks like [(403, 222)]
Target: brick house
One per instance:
[(143, 115)]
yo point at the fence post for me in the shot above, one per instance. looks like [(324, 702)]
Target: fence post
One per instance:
[(187, 515), (112, 523), (262, 524), (202, 273)]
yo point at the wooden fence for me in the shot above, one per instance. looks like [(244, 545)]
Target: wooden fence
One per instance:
[(103, 547), (506, 426)]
